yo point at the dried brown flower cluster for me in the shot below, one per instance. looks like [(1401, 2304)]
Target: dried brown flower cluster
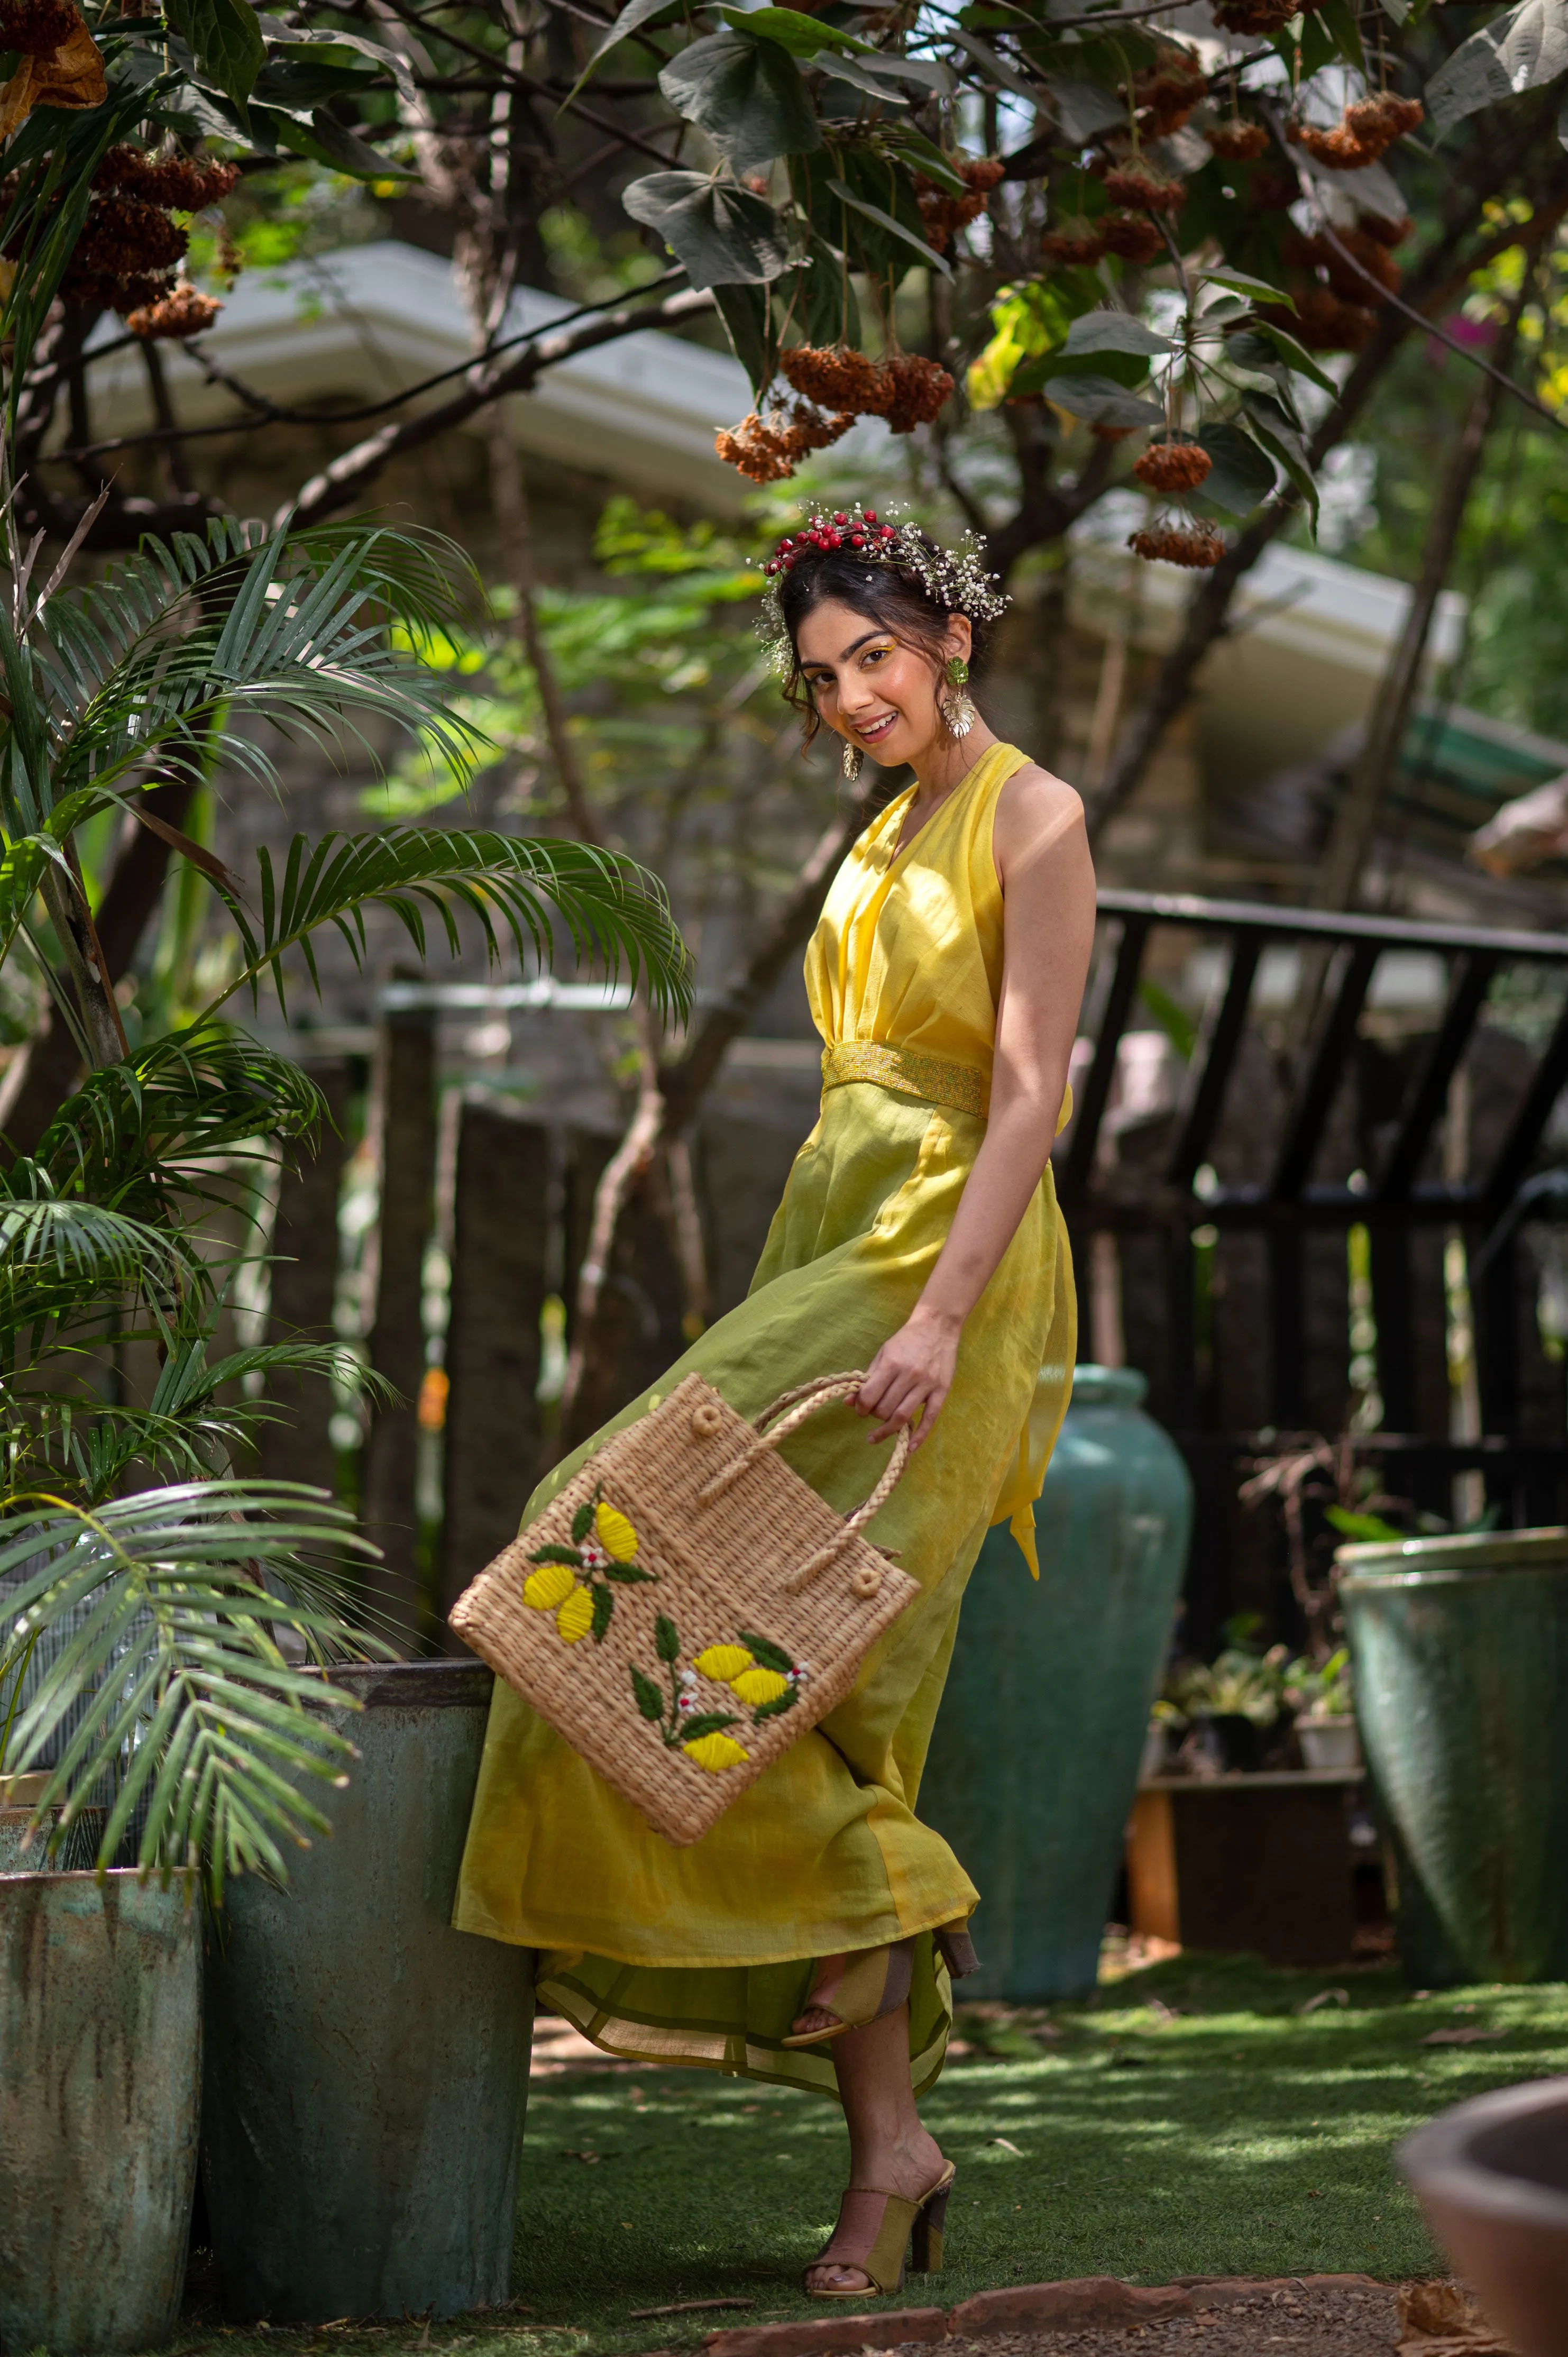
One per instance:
[(1166, 92), (1172, 467), (768, 451), (944, 214), (38, 28), (1139, 185), (1131, 237), (1329, 255), (175, 183), (1323, 320), (907, 390), (1257, 16), (185, 312), (1197, 545), (129, 243), (1076, 249), (1386, 233), (1237, 142), (1364, 133)]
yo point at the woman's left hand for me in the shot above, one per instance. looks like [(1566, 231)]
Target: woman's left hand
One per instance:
[(912, 1374)]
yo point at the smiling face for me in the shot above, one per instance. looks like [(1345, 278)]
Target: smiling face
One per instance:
[(872, 688)]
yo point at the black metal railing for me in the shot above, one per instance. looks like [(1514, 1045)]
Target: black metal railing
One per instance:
[(1273, 1215)]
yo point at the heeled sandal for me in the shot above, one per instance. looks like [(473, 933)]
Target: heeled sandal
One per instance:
[(874, 2232)]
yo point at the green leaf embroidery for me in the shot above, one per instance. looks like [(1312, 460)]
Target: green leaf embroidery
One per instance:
[(583, 1522), (558, 1555), (666, 1638), (706, 1722), (628, 1574), (649, 1701), (770, 1656), (604, 1612), (777, 1707)]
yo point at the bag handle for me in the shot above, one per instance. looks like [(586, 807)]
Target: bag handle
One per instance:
[(792, 1409)]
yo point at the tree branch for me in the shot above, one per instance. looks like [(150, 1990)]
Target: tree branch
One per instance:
[(353, 470)]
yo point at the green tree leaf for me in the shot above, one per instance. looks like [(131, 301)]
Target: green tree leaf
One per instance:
[(1241, 477), (225, 39), (721, 235), (802, 35), (1100, 398), (1113, 331), (1524, 48), (747, 94)]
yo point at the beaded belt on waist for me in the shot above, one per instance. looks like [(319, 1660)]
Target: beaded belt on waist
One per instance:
[(912, 1074)]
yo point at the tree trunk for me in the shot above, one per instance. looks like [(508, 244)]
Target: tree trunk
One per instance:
[(304, 1287), (405, 1119)]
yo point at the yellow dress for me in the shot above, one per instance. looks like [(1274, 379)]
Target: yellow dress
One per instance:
[(705, 1955)]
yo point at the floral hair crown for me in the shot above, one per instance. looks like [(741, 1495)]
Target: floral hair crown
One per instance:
[(953, 578)]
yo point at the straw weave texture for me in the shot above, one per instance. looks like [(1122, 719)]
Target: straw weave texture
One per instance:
[(726, 1570)]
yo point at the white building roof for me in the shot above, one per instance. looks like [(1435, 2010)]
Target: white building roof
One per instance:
[(371, 319)]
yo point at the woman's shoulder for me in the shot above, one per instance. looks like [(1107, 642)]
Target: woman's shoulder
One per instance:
[(1035, 805)]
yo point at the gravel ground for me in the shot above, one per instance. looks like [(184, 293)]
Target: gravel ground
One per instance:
[(1292, 2323)]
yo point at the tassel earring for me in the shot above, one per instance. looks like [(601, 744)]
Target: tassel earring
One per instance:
[(854, 762), (957, 708)]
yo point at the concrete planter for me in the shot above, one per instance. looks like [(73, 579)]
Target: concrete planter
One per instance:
[(100, 2096), (1492, 2177)]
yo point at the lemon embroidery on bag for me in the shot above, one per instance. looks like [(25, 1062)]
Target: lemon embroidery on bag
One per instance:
[(758, 1673), (574, 1582)]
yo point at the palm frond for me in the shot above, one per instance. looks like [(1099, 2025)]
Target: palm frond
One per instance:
[(152, 1132), (167, 1603), (176, 649), (615, 912)]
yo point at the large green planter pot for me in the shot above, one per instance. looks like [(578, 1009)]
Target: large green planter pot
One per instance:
[(367, 2065), (1034, 1758), (1460, 1649), (99, 2099)]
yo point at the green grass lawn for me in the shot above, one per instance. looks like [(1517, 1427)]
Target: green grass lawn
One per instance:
[(1192, 2119)]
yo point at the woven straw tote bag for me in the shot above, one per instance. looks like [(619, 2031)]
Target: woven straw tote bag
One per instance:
[(688, 1608)]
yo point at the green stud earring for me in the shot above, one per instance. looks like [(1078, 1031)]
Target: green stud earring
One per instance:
[(957, 710), (958, 672)]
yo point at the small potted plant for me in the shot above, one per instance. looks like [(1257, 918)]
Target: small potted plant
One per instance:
[(1234, 1702), (1321, 1695)]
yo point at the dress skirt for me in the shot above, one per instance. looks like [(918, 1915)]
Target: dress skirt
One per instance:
[(705, 1955)]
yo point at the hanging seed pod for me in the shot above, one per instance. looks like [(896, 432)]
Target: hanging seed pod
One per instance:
[(921, 388), (1166, 92), (185, 312), (837, 378), (1237, 142), (753, 451), (1383, 118), (1150, 191), (1172, 467), (1131, 237), (1388, 233), (1195, 545), (943, 213), (1323, 322), (175, 183), (1075, 249), (1340, 149), (1255, 16)]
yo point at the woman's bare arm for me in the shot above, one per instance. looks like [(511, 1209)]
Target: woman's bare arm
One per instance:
[(1047, 882)]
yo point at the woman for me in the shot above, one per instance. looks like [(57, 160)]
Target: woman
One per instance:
[(811, 1937)]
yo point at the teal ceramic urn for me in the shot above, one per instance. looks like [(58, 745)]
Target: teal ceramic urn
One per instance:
[(1034, 1762)]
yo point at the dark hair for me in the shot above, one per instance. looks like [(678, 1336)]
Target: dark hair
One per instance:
[(894, 597)]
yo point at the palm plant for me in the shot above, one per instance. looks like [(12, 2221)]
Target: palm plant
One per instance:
[(168, 1619)]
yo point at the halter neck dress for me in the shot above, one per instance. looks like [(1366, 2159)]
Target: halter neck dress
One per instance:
[(705, 1955)]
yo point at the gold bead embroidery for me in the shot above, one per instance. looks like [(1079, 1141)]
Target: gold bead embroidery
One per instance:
[(959, 1086)]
